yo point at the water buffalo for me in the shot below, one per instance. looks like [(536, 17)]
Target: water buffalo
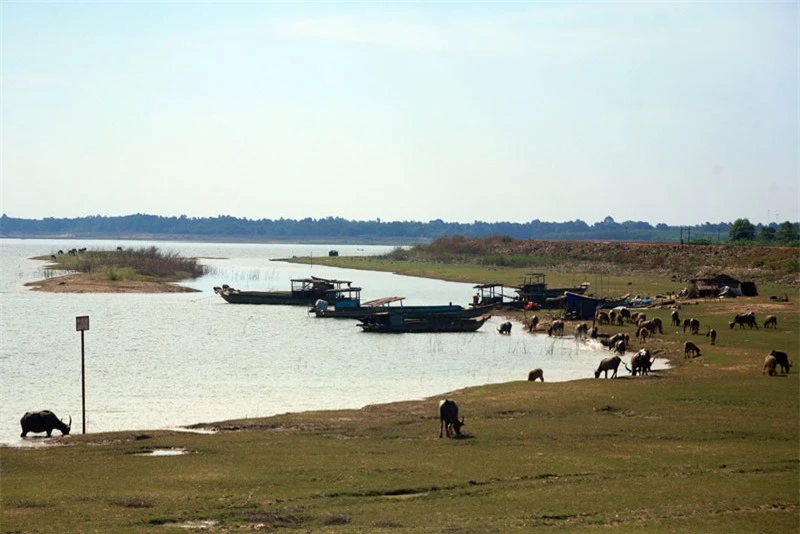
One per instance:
[(556, 328), (611, 342), (744, 319), (692, 324), (643, 333), (656, 325), (712, 334), (602, 318), (536, 374), (44, 421), (771, 322), (782, 359), (448, 418), (770, 362), (606, 365), (690, 348), (581, 331), (641, 362), (505, 328)]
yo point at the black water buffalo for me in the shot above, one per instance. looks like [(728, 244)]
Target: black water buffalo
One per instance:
[(692, 324), (536, 374), (448, 418), (782, 360), (505, 328), (606, 365), (744, 319), (690, 348), (44, 421), (641, 362), (712, 334)]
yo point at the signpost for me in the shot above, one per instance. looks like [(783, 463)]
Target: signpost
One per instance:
[(81, 325)]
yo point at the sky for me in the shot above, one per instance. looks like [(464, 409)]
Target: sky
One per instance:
[(666, 112)]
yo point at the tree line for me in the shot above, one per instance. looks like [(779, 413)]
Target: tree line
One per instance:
[(340, 230)]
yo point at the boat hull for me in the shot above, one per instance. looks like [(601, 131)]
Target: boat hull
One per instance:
[(393, 324), (408, 311), (267, 297)]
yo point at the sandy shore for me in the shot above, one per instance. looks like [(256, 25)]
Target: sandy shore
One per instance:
[(83, 283)]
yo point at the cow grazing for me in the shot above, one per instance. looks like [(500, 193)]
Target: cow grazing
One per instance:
[(602, 318), (690, 348), (505, 328), (676, 318), (536, 374), (448, 418), (533, 323), (44, 421), (782, 360), (771, 322), (606, 365)]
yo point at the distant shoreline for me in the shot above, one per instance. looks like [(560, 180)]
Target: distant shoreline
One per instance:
[(194, 238)]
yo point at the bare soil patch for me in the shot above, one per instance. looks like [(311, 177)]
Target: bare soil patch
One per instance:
[(83, 283)]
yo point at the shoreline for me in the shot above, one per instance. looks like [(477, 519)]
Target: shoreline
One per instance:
[(663, 364)]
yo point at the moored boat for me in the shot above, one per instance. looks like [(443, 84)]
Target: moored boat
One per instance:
[(395, 305), (304, 291), (534, 289)]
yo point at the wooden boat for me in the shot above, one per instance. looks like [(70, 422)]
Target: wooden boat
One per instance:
[(395, 323), (395, 305), (305, 291), (534, 289)]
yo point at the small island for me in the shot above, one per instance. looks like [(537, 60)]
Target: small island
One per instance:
[(142, 270)]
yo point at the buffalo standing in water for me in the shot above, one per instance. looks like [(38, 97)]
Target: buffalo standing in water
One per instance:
[(44, 421)]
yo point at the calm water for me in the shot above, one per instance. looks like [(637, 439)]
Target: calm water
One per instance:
[(166, 360)]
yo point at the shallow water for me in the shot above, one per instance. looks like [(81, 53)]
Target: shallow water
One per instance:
[(168, 360)]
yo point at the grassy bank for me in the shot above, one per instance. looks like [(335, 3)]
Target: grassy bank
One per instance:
[(711, 445), (145, 269)]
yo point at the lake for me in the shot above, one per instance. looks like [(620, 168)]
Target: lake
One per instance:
[(168, 360)]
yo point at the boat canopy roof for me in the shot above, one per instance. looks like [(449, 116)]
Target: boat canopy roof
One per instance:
[(383, 301), (318, 279)]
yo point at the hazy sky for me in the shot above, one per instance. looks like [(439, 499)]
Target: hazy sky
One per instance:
[(675, 112)]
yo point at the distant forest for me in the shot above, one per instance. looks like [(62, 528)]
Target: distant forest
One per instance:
[(339, 230)]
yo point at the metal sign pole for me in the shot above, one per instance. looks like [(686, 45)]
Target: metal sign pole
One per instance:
[(82, 324), (83, 384)]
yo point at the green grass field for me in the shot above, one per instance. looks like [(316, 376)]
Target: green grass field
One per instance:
[(711, 445)]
